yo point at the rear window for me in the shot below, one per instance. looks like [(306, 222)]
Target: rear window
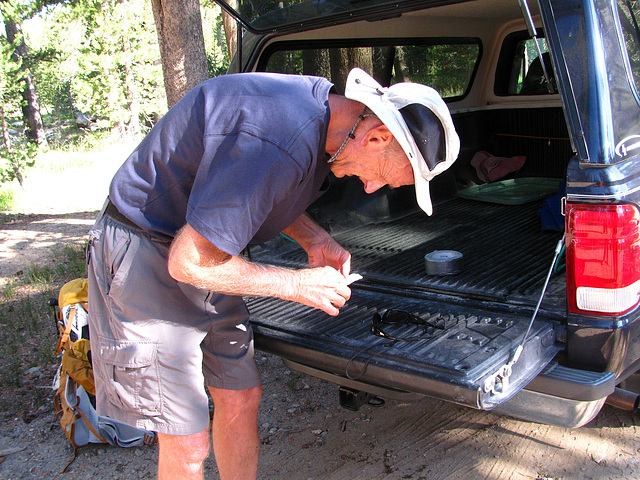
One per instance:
[(521, 70), (629, 14), (448, 66)]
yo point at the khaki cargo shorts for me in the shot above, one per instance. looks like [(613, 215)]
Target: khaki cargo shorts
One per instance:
[(155, 342)]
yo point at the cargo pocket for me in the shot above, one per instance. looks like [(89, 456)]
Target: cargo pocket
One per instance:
[(133, 376)]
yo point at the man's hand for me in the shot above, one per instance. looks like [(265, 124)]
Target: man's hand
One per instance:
[(324, 288), (329, 253), (321, 248)]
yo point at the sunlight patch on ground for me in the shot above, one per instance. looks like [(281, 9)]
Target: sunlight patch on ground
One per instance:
[(67, 197), (77, 190), (24, 244)]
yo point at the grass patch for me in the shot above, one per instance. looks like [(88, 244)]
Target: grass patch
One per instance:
[(9, 196), (39, 274), (76, 153), (29, 333)]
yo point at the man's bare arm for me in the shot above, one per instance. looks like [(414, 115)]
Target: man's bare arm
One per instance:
[(321, 248), (195, 260)]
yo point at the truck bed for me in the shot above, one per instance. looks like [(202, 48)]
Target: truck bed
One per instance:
[(477, 317), (506, 253)]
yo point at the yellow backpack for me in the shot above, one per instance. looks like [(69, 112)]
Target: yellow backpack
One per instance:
[(73, 327), (74, 388)]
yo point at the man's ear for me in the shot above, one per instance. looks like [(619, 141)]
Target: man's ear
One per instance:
[(377, 137)]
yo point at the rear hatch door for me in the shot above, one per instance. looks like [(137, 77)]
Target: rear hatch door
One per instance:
[(262, 16), (595, 47)]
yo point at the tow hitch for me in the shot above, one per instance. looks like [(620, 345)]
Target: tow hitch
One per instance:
[(352, 399)]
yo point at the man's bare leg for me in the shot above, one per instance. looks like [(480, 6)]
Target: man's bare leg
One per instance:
[(182, 456), (235, 432)]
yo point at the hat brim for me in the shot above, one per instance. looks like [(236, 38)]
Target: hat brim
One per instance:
[(386, 104)]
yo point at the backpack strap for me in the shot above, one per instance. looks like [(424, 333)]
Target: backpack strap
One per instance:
[(73, 459), (89, 426), (64, 338)]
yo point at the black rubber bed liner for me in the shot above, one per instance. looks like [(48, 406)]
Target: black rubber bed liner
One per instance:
[(476, 318), (506, 253)]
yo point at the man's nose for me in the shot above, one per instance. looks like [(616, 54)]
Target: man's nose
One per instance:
[(371, 186)]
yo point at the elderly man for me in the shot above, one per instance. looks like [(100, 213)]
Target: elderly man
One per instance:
[(236, 161)]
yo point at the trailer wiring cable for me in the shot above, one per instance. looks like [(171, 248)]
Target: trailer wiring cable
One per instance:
[(506, 370), (366, 363)]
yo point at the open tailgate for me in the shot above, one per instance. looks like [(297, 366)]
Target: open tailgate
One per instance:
[(459, 362)]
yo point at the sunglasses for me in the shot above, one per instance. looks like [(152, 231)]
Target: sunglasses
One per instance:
[(380, 325)]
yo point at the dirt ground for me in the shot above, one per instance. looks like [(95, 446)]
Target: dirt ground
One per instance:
[(306, 435)]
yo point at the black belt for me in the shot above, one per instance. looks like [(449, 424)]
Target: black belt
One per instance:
[(113, 212)]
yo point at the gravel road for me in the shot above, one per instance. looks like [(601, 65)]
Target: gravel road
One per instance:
[(306, 435)]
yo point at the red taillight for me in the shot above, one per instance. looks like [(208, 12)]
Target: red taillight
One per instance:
[(603, 258)]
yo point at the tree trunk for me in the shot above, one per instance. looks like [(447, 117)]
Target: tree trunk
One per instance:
[(184, 59), (383, 64), (344, 59), (17, 172), (230, 29), (316, 62), (30, 109), (6, 139), (400, 66)]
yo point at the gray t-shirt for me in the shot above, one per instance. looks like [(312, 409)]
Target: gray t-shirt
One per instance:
[(239, 158)]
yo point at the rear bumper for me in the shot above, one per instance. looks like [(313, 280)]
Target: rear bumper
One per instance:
[(559, 396), (546, 409), (573, 384)]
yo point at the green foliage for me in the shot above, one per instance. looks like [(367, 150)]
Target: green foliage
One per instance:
[(215, 42), (445, 67), (101, 59), (96, 57), (14, 161), (7, 199), (16, 154)]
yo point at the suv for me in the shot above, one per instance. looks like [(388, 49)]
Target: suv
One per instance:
[(479, 304)]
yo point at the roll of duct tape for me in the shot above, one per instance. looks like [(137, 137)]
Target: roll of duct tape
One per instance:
[(443, 262)]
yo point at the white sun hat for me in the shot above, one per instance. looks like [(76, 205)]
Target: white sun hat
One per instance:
[(419, 120)]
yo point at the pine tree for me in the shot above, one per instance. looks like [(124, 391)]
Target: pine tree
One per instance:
[(12, 18)]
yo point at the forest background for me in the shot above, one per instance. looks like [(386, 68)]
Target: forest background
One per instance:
[(76, 75)]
